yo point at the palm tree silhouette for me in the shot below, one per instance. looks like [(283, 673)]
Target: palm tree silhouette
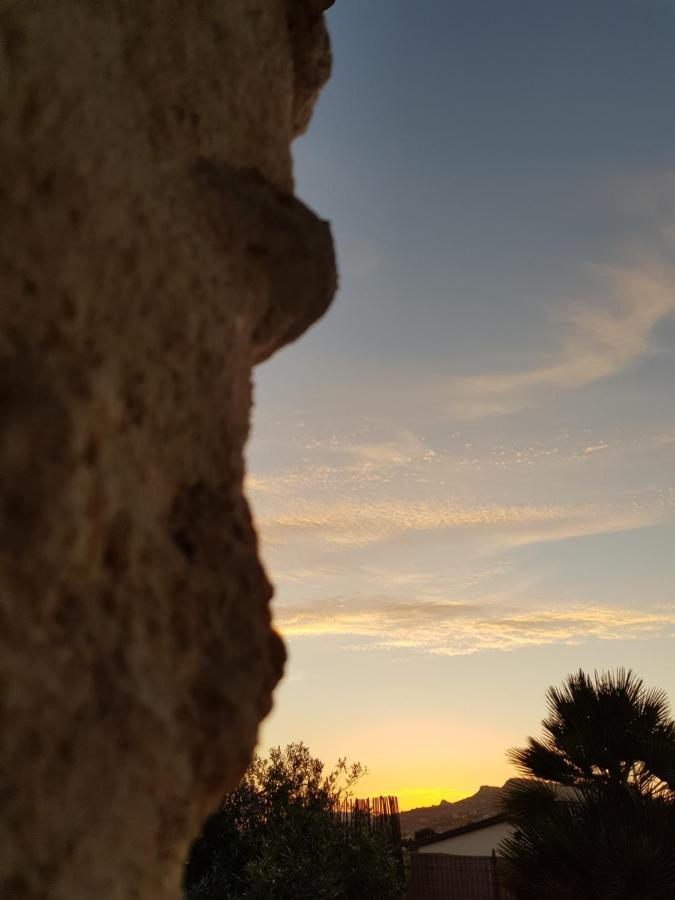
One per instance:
[(606, 730), (595, 814)]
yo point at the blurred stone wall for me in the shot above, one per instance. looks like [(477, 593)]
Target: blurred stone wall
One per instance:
[(151, 252)]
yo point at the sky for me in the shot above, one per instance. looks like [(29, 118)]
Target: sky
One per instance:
[(463, 476)]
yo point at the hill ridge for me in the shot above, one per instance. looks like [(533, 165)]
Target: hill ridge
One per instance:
[(446, 814)]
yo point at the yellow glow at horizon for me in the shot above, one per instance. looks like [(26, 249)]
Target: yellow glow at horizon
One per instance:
[(419, 759), (428, 785), (416, 797)]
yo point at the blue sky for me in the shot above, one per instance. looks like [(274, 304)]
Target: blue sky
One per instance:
[(463, 476)]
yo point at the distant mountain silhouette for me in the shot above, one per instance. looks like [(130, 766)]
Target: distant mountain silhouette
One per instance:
[(481, 805)]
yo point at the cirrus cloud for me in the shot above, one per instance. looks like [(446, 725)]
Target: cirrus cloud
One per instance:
[(357, 523), (459, 628), (602, 333)]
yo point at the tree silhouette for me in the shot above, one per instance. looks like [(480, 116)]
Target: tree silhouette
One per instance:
[(609, 729), (278, 835), (595, 816)]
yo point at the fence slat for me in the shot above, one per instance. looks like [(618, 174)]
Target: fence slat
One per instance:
[(443, 876)]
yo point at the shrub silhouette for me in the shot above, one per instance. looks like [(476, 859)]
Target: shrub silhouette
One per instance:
[(278, 835)]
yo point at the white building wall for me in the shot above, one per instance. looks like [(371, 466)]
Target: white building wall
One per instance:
[(476, 843)]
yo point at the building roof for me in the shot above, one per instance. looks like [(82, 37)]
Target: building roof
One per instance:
[(455, 832)]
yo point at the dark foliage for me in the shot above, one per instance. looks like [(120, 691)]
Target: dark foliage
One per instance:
[(609, 729), (608, 844), (596, 817), (279, 836)]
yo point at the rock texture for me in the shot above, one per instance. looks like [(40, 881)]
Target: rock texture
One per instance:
[(151, 252)]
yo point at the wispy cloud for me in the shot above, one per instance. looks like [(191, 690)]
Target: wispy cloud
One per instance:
[(458, 628), (367, 508), (340, 463), (345, 457), (611, 321), (357, 523), (601, 335)]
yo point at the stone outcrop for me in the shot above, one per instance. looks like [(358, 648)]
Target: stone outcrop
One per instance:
[(151, 252)]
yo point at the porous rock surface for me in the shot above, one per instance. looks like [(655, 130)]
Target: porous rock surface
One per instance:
[(151, 252)]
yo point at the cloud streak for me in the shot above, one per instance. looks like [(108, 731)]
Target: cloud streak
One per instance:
[(363, 504), (602, 335), (358, 523), (457, 628)]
